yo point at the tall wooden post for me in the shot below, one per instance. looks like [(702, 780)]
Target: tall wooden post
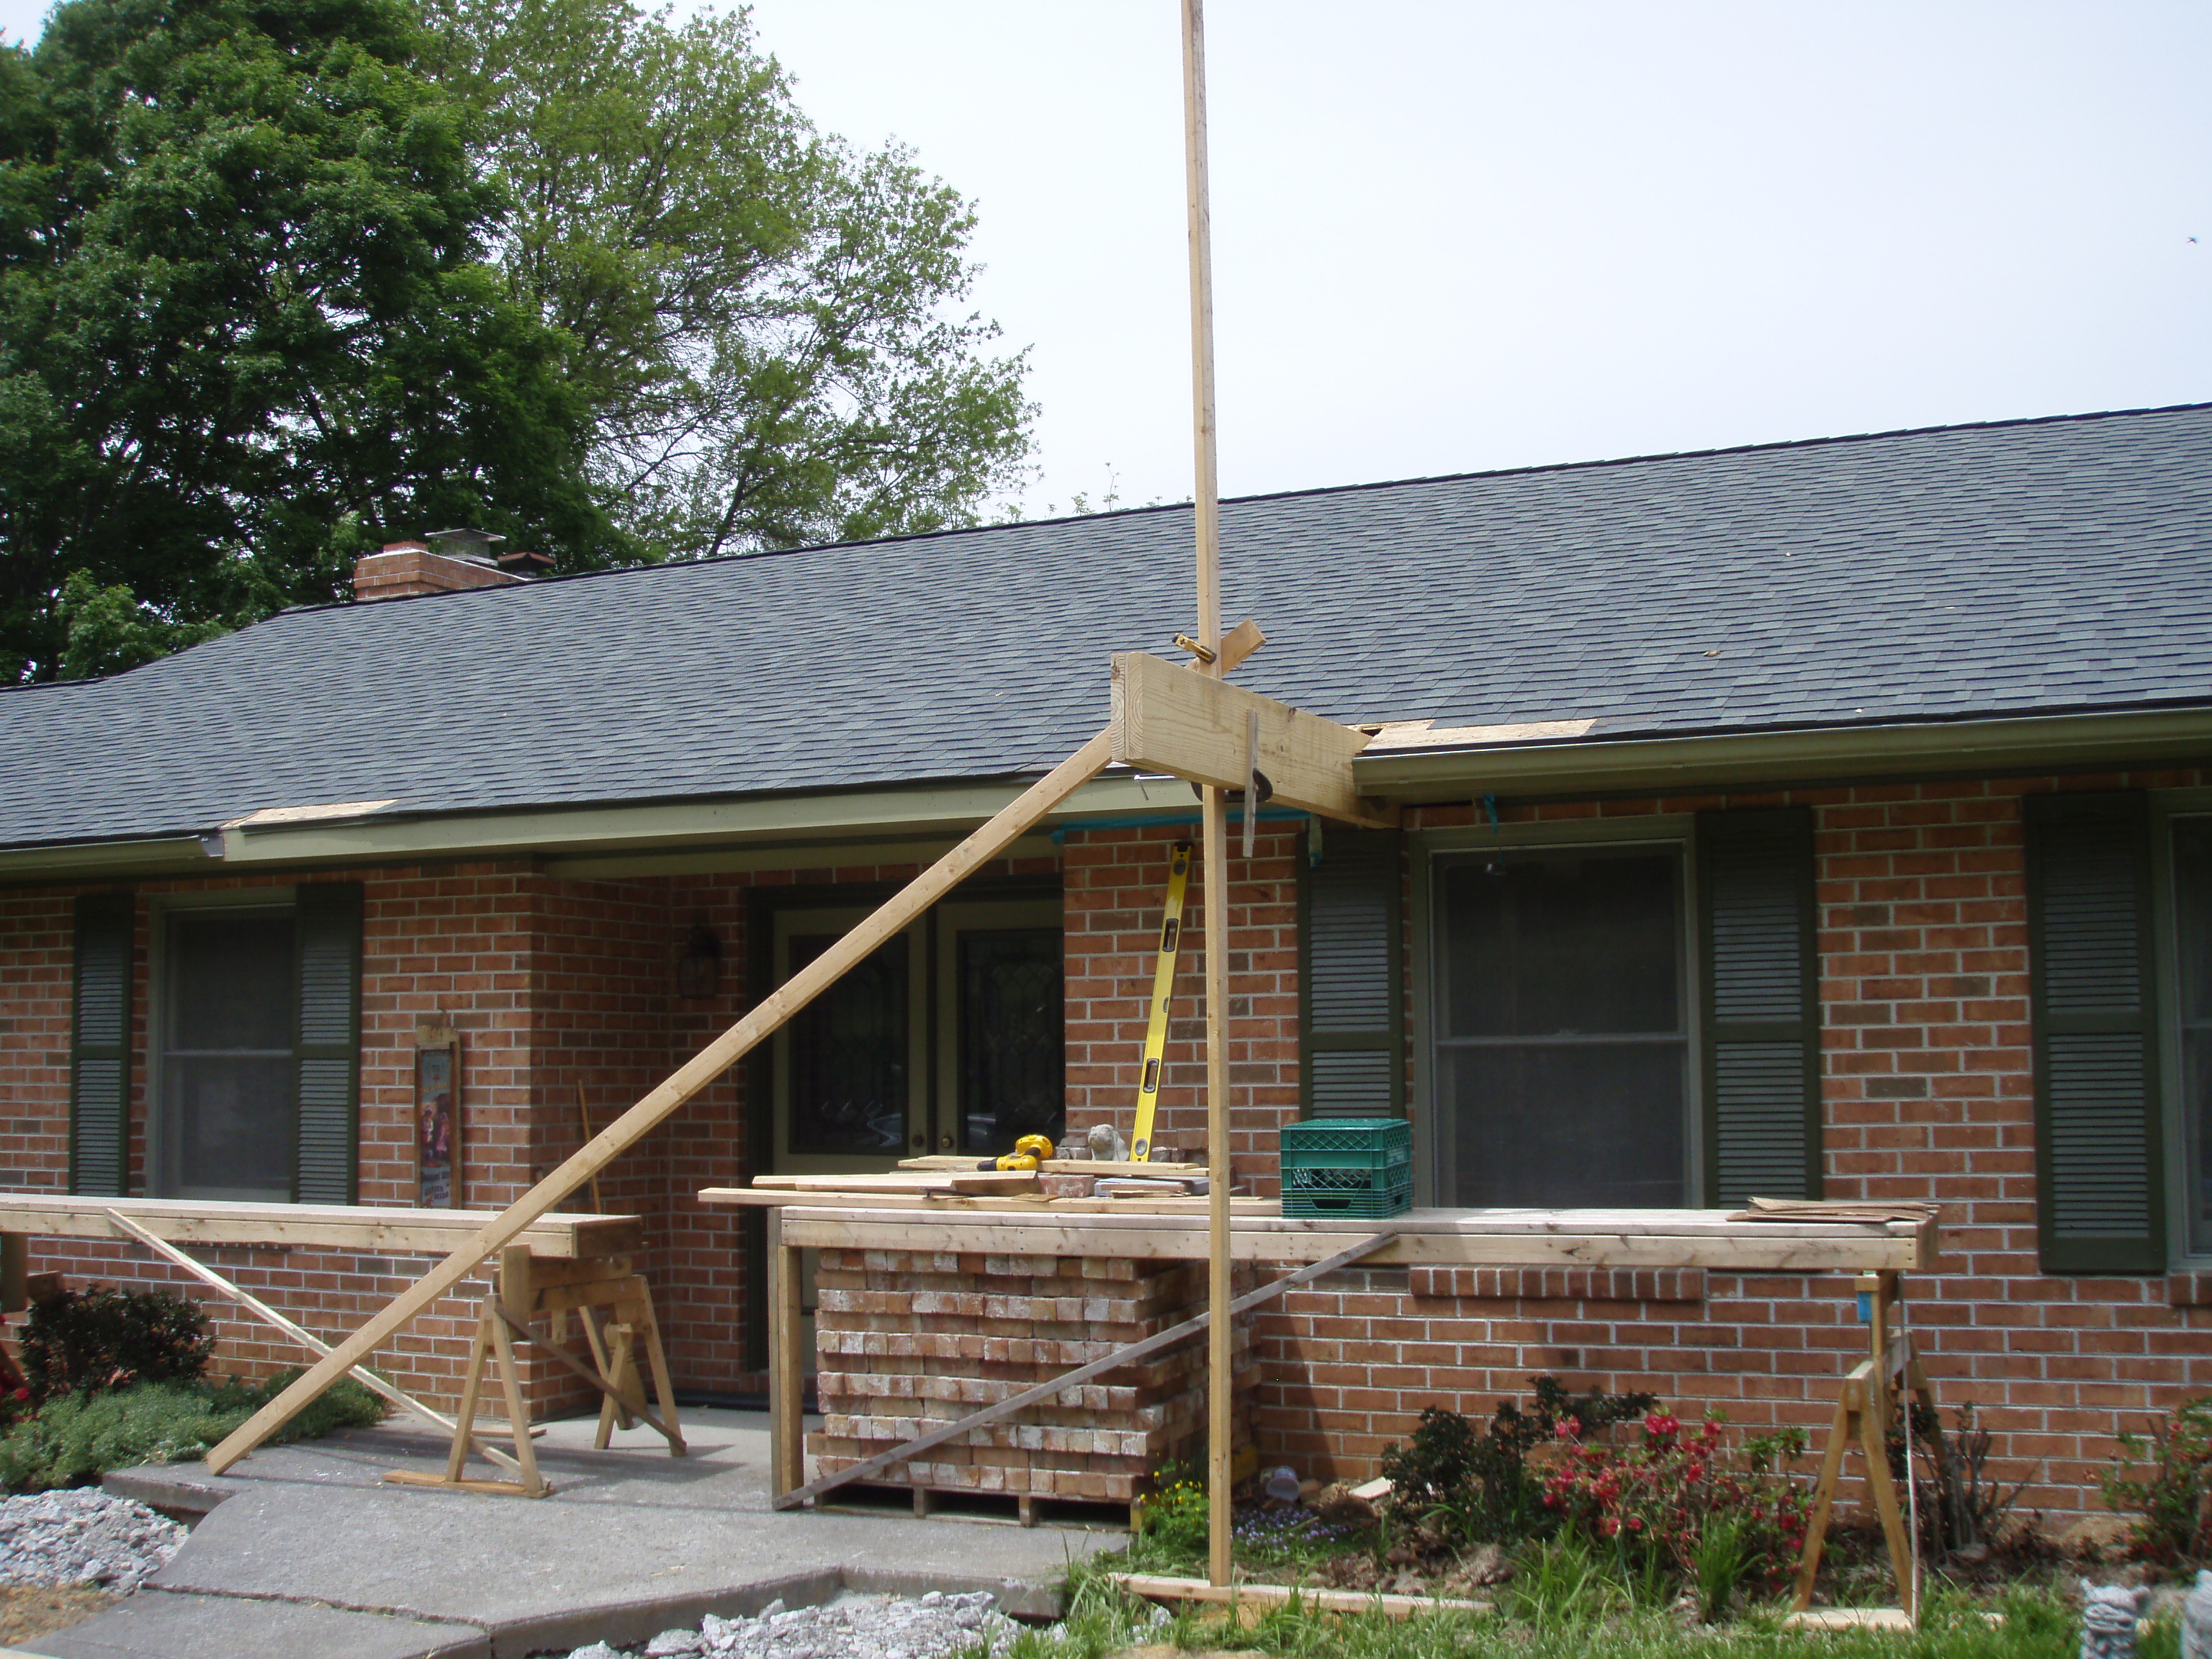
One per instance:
[(1206, 496)]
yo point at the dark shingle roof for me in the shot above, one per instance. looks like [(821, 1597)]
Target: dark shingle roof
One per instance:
[(2017, 568)]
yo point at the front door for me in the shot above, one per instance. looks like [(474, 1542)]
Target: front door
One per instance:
[(948, 1039)]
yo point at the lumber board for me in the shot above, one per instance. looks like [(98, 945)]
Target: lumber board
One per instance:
[(1155, 1587), (1004, 828), (378, 1228), (1196, 727), (966, 1203), (1761, 1247), (905, 1181)]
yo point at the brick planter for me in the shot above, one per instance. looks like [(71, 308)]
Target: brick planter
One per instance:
[(909, 1340)]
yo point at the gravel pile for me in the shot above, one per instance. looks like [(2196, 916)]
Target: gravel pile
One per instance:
[(935, 1626), (82, 1535)]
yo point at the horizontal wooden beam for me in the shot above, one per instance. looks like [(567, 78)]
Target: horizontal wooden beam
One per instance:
[(1661, 1238), (1198, 728), (374, 1228), (1153, 1586)]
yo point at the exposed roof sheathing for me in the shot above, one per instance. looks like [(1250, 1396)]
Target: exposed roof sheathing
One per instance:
[(2012, 569)]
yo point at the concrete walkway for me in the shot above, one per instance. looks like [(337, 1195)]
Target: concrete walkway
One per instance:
[(306, 1550)]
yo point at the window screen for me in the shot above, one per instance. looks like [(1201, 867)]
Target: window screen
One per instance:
[(1562, 1050), (2192, 891), (228, 1055)]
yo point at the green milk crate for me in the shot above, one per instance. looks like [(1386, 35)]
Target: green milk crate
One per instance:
[(1353, 1166)]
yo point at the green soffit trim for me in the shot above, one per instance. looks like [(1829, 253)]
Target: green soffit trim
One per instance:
[(1669, 765)]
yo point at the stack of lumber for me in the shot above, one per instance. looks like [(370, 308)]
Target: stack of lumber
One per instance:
[(909, 1340)]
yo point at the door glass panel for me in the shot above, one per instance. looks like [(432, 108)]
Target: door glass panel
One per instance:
[(1011, 1072), (1563, 1045), (2192, 892), (227, 1060), (848, 1056)]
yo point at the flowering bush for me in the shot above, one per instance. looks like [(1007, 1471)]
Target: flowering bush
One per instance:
[(1655, 1502)]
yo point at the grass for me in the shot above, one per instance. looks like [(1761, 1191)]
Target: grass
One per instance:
[(1571, 1608), (73, 1440)]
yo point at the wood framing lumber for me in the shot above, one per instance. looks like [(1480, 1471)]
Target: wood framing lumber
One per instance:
[(944, 1203), (905, 1181), (1568, 1238), (374, 1228), (606, 1385), (708, 1064), (306, 1338), (1123, 1356), (1154, 1586), (1166, 720)]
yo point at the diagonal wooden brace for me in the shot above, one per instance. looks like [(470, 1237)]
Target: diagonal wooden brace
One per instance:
[(1126, 1355), (1003, 829)]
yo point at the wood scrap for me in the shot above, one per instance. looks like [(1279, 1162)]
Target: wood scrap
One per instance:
[(999, 1182), (1864, 1212), (1155, 1587)]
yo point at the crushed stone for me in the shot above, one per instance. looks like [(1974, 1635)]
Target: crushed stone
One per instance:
[(82, 1535), (932, 1626)]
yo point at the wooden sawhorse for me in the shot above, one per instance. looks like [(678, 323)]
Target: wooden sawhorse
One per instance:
[(614, 1305), (1869, 1393)]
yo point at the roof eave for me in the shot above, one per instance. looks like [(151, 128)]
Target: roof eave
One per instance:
[(1911, 749)]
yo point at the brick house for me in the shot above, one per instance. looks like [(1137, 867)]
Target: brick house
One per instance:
[(1820, 818)]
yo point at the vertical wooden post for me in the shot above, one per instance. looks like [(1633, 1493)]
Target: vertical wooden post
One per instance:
[(1206, 495), (786, 1370)]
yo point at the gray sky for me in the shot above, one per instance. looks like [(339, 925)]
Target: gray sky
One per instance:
[(1456, 236)]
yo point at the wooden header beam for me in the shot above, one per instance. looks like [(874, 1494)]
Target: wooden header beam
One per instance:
[(1199, 727), (373, 1227)]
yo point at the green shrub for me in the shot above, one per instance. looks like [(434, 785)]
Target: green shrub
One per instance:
[(2172, 1501), (89, 1340), (1478, 1488), (1177, 1520), (74, 1439)]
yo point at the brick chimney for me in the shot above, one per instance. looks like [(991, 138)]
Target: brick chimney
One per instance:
[(459, 563)]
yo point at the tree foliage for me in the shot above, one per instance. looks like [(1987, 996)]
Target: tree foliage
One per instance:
[(281, 280), (767, 322), (246, 331)]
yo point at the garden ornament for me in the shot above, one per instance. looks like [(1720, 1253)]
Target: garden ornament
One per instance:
[(1107, 1145), (2108, 1621), (2197, 1621)]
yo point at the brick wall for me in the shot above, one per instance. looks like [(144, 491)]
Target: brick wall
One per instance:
[(1113, 884), (1928, 1093)]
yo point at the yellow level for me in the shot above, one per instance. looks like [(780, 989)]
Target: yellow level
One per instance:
[(1156, 1032)]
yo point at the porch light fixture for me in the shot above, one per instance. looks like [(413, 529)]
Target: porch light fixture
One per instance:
[(699, 969)]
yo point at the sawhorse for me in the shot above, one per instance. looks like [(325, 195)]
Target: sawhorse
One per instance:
[(614, 1306), (1870, 1392)]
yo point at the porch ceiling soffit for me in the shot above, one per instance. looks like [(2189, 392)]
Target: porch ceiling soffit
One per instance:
[(1413, 760)]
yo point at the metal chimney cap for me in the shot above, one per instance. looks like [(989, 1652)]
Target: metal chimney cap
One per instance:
[(470, 544)]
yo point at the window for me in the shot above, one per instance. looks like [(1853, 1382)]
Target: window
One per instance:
[(1562, 1040), (226, 1055), (2192, 895), (256, 1047)]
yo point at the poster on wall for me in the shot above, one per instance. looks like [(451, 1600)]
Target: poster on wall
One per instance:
[(437, 1116)]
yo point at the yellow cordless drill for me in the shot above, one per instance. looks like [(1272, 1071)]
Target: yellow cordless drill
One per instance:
[(1029, 1151)]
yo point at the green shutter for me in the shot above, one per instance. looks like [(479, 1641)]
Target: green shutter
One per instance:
[(99, 1046), (2100, 1204), (1351, 1050), (327, 1049), (1761, 1005)]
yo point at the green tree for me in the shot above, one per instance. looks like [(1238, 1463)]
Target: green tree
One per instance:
[(247, 328), (770, 325)]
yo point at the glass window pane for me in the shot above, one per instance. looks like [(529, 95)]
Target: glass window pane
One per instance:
[(2192, 894), (227, 1082), (1561, 1054), (230, 981), (1012, 1076), (231, 1124), (1562, 1125), (848, 1056), (1541, 945)]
